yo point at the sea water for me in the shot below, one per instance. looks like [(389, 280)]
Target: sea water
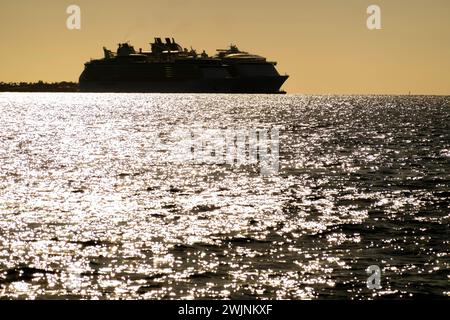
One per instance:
[(97, 199)]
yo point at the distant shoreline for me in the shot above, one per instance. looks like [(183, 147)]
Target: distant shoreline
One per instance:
[(67, 86), (40, 86)]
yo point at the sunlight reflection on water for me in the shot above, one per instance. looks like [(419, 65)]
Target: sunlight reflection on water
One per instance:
[(91, 205)]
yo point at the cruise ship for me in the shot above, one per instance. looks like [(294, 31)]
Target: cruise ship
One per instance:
[(170, 68)]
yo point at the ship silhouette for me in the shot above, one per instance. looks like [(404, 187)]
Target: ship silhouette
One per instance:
[(169, 68)]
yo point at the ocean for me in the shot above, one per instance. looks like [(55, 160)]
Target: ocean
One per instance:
[(180, 196)]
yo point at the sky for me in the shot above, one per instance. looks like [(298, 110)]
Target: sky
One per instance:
[(324, 45)]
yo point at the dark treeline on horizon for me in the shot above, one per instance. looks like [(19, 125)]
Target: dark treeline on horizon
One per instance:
[(40, 86)]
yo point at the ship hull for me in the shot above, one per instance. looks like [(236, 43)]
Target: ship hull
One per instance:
[(269, 85)]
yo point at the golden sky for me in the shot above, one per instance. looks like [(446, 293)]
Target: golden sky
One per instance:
[(324, 45)]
